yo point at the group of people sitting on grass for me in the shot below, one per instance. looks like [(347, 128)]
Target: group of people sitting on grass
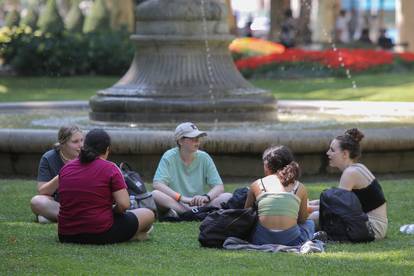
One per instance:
[(87, 194)]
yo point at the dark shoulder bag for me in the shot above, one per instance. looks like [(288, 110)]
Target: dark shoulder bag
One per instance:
[(224, 223), (237, 200), (342, 218), (136, 188)]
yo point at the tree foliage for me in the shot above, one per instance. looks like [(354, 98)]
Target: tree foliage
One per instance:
[(50, 20), (31, 17), (74, 19), (98, 19), (12, 18)]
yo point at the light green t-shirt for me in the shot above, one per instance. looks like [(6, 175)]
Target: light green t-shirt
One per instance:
[(187, 180)]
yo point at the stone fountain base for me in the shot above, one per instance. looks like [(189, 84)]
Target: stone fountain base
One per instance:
[(237, 153), (155, 110)]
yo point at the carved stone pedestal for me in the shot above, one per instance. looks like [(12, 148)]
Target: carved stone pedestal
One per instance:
[(182, 71)]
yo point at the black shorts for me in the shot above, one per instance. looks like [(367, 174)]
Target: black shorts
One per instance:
[(124, 228)]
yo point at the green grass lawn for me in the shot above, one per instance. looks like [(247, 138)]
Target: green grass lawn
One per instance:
[(374, 87), (14, 89), (29, 248)]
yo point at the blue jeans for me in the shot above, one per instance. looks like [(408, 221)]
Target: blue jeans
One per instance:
[(295, 235)]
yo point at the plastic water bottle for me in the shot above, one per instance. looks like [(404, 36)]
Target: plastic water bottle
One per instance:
[(133, 202), (407, 229)]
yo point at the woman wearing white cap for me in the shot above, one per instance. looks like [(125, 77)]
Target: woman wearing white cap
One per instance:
[(183, 173)]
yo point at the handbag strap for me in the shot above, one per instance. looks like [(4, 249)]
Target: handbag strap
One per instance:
[(296, 187), (123, 165)]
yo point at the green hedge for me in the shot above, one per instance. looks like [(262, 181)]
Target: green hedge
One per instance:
[(37, 53)]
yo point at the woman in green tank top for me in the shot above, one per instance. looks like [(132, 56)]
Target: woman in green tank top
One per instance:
[(281, 201)]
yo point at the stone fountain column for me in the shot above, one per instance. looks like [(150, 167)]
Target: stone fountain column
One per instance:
[(182, 70)]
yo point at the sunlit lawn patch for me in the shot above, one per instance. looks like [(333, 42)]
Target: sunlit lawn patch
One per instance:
[(376, 87)]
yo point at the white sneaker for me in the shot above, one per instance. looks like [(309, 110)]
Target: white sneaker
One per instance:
[(407, 229), (143, 236), (171, 213), (43, 220), (150, 230)]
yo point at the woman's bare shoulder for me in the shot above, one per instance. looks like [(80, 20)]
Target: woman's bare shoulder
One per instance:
[(301, 189)]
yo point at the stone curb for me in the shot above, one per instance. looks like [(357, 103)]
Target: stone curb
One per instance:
[(220, 141)]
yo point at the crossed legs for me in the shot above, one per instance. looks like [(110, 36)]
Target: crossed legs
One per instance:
[(145, 218), (45, 206), (165, 202)]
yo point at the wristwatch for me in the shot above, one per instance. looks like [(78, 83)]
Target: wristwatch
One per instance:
[(209, 198)]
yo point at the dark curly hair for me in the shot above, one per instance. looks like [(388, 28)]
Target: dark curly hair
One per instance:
[(96, 142), (350, 141), (279, 160)]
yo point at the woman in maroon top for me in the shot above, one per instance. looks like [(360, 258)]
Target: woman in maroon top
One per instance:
[(88, 188)]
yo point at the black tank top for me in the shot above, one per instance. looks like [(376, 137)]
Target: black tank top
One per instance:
[(371, 197)]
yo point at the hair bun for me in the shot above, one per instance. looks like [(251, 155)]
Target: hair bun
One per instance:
[(355, 134)]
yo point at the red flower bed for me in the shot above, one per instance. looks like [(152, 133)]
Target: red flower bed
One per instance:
[(353, 59), (406, 56)]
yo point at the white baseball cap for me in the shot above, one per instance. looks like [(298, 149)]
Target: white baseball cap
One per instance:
[(189, 130)]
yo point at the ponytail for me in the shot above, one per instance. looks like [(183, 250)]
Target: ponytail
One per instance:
[(289, 174), (87, 155)]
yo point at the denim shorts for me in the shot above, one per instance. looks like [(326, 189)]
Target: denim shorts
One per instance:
[(295, 235)]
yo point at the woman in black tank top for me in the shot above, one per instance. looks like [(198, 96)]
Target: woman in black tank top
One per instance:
[(343, 153)]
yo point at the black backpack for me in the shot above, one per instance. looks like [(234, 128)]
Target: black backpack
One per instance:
[(237, 200), (137, 189), (224, 223), (342, 218), (195, 214)]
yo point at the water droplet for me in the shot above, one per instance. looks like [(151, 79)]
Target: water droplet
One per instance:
[(354, 86), (208, 55)]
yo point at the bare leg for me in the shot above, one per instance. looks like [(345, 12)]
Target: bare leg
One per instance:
[(315, 217), (145, 220), (165, 202), (222, 198), (45, 206), (313, 205)]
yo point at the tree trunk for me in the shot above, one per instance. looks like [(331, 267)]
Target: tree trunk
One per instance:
[(122, 14), (231, 20), (277, 9), (63, 7), (304, 33), (405, 21)]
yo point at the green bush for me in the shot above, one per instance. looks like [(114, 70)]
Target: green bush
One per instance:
[(74, 19), (98, 19), (42, 54), (37, 53), (12, 18), (30, 19), (109, 53), (50, 20)]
